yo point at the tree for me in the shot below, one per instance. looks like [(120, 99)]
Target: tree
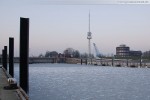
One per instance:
[(84, 55), (47, 54), (41, 55), (70, 52), (76, 54), (51, 54)]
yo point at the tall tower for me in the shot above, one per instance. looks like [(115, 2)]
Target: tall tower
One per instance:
[(89, 37)]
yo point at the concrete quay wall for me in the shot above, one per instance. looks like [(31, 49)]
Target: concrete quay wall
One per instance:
[(100, 62), (42, 60), (110, 62)]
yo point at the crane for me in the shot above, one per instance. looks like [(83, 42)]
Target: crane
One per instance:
[(96, 50)]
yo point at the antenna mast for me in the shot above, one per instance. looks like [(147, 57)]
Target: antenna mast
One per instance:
[(89, 20), (89, 36)]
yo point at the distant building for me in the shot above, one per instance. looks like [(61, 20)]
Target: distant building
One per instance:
[(135, 53), (124, 51), (146, 54)]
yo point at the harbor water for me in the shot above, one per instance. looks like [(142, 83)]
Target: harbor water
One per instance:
[(85, 82)]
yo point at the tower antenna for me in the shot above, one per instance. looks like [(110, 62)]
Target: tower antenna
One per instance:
[(89, 20), (89, 37)]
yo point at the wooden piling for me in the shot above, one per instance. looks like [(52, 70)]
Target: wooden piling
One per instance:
[(24, 53), (11, 56), (5, 57)]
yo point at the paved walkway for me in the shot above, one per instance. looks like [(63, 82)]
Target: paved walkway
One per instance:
[(6, 94)]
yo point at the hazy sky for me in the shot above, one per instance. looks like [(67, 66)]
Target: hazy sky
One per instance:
[(59, 26)]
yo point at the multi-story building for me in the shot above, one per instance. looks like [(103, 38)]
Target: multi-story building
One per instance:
[(124, 51)]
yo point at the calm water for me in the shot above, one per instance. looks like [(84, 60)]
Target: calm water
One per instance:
[(76, 82)]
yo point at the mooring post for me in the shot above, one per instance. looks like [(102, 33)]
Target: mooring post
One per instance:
[(140, 60), (81, 61), (91, 61), (112, 60), (5, 57), (11, 56), (24, 53), (86, 61), (127, 62)]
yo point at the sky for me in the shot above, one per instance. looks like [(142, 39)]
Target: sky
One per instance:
[(55, 26)]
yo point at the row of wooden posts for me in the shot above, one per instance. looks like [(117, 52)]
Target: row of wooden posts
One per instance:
[(24, 55)]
